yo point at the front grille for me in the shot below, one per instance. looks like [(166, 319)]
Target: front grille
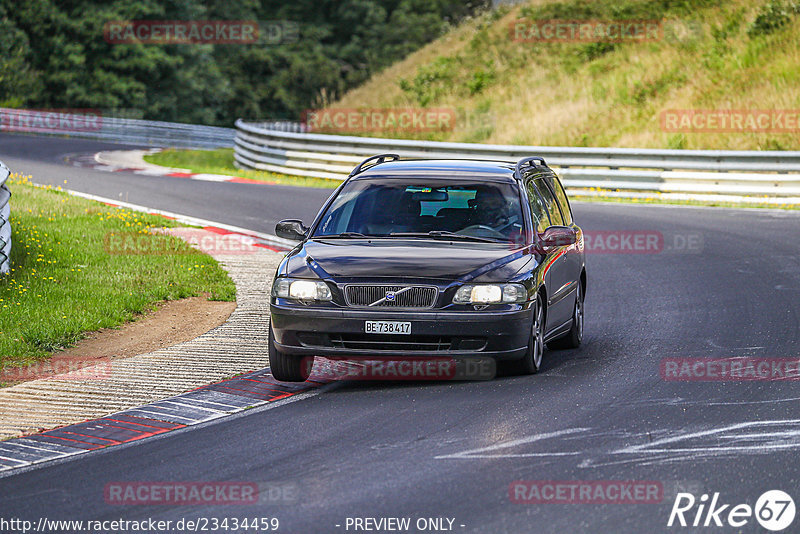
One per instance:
[(404, 296), (380, 342)]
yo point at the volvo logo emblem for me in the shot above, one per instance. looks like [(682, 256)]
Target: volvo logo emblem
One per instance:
[(390, 296)]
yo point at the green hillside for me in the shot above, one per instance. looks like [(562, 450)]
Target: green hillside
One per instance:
[(710, 55)]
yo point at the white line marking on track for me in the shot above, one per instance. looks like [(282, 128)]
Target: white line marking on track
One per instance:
[(478, 453), (657, 446), (187, 219)]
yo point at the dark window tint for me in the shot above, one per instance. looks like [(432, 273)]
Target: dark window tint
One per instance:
[(561, 196), (386, 206), (550, 202), (538, 210)]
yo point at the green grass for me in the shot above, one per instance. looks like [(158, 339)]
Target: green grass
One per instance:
[(711, 54), (64, 282), (220, 161)]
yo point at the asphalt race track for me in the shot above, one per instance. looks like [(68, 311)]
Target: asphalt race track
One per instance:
[(725, 284)]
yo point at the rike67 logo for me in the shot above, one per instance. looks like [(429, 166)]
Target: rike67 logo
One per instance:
[(774, 511)]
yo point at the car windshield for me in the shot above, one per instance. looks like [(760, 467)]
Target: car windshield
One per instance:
[(483, 211)]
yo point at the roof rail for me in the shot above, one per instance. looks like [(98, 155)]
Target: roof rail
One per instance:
[(533, 161), (381, 158)]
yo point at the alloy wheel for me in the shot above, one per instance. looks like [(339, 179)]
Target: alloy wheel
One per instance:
[(538, 332)]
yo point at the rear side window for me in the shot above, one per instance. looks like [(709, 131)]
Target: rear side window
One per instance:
[(538, 210), (561, 196), (549, 202)]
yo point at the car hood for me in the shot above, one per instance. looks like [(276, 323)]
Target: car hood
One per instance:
[(402, 258)]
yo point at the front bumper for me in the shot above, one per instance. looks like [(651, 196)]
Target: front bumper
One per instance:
[(339, 333)]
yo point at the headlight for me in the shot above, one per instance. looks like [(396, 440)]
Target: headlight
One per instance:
[(286, 288), (490, 294)]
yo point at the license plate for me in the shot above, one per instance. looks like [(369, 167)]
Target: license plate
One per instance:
[(387, 327)]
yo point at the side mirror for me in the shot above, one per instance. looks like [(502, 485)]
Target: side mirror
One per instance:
[(291, 229), (557, 236)]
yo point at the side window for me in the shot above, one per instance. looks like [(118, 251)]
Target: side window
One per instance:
[(538, 210), (561, 196), (550, 202)]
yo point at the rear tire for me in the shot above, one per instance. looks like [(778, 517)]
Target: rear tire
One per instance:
[(573, 338), (285, 367), (532, 361)]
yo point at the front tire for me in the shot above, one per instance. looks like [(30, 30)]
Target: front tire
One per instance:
[(573, 338), (288, 368), (532, 361)]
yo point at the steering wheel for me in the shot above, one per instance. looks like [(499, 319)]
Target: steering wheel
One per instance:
[(481, 230), (506, 227)]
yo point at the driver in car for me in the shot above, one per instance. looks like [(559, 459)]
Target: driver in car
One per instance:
[(491, 209)]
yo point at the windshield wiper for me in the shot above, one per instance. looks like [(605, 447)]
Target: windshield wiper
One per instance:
[(344, 235), (444, 234)]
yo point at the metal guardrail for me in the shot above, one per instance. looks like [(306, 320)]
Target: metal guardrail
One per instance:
[(5, 220), (118, 130), (287, 148)]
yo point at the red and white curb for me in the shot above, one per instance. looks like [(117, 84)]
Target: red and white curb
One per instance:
[(204, 404), (133, 161)]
